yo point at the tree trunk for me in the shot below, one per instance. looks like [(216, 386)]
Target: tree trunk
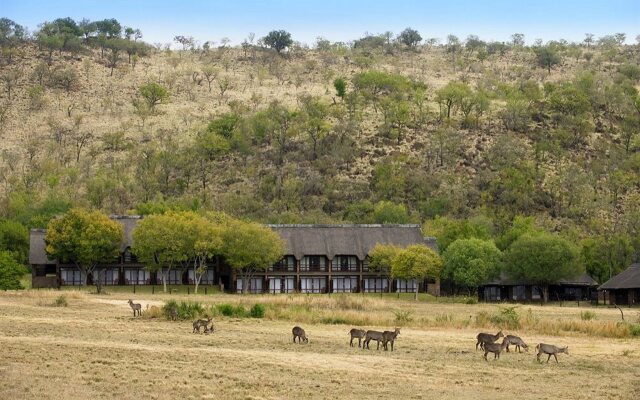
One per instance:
[(164, 280), (545, 294)]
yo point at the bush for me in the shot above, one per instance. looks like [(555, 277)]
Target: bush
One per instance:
[(403, 316), (257, 311), (444, 318), (186, 310), (225, 309), (587, 315), (61, 301), (635, 330), (334, 320), (507, 318), (229, 310), (471, 300), (154, 312)]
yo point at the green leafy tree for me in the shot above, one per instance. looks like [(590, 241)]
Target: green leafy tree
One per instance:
[(208, 244), (606, 256), (85, 239), (154, 94), (278, 40), (10, 272), (410, 38), (447, 230), (547, 57), (543, 259), (387, 212), (451, 97), (417, 262), (313, 117), (471, 262), (14, 238), (161, 242), (340, 84), (251, 247), (380, 260), (520, 225)]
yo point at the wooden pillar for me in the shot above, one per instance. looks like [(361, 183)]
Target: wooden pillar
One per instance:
[(329, 268), (296, 284)]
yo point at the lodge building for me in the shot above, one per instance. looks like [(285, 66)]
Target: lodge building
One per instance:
[(318, 259), (579, 288)]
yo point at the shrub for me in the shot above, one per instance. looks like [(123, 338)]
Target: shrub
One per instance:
[(403, 316), (154, 312), (186, 310), (257, 311), (225, 309), (507, 318), (229, 310), (587, 315), (334, 320), (471, 300), (444, 318), (635, 330), (61, 301)]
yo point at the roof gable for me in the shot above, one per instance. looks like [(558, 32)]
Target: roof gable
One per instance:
[(627, 279)]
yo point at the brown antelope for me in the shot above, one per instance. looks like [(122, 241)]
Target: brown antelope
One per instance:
[(495, 348), (515, 340), (372, 335), (356, 333), (173, 313), (208, 330), (136, 307), (199, 323), (389, 336), (551, 350), (484, 338), (300, 334)]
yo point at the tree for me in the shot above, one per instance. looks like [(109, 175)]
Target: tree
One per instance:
[(588, 39), (250, 247), (471, 262), (517, 39), (547, 57), (543, 259), (417, 262), (451, 96), (10, 272), (410, 37), (210, 73), (313, 120), (161, 242), (387, 212), (447, 230), (381, 258), (85, 239), (154, 94), (14, 238), (340, 84), (278, 40), (207, 245), (606, 256)]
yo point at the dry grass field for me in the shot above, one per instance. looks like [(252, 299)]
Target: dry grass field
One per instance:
[(94, 348)]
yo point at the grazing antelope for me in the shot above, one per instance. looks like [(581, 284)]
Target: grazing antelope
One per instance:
[(197, 324), (515, 340), (551, 350), (136, 307), (208, 330), (372, 335), (484, 338), (495, 348), (356, 333), (389, 336), (300, 334)]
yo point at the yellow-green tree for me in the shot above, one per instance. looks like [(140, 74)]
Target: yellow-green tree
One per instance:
[(250, 247), (381, 258), (85, 239), (416, 262)]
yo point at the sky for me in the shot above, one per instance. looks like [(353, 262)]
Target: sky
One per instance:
[(161, 20)]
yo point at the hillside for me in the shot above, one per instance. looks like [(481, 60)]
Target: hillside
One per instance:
[(461, 131)]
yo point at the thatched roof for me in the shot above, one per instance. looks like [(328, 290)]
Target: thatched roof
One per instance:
[(579, 280), (627, 279), (358, 240), (329, 240)]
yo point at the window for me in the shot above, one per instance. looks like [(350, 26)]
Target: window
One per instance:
[(536, 293), (207, 277), (313, 285), (281, 284), (313, 263), (375, 285), (288, 263), (137, 276), (71, 276), (404, 286), (107, 276), (491, 293), (365, 264), (345, 284), (174, 277), (344, 263), (519, 293), (255, 285)]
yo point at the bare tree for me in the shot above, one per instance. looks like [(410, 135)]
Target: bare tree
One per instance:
[(210, 73)]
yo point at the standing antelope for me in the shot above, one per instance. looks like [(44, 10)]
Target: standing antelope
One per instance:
[(136, 307), (389, 336), (356, 333), (484, 338), (515, 340), (173, 313), (300, 334), (199, 323), (551, 350), (372, 335), (495, 348)]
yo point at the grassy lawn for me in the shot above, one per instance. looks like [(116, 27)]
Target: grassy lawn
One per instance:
[(94, 348)]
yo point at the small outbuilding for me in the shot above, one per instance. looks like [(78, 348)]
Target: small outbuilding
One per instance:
[(624, 288)]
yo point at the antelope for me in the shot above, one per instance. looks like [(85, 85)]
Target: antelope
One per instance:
[(136, 307), (173, 313), (515, 340), (551, 350), (388, 336), (372, 335), (495, 348), (197, 324), (208, 330), (484, 338), (356, 333), (300, 334)]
